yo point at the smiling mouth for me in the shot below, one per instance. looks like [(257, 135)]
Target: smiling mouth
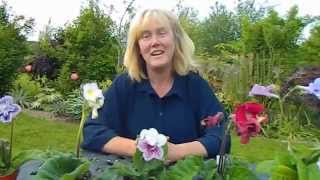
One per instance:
[(157, 53)]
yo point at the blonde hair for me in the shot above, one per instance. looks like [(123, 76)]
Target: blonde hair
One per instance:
[(183, 61)]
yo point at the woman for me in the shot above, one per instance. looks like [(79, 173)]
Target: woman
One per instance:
[(158, 91)]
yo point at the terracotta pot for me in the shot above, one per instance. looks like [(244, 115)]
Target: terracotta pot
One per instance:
[(74, 76), (12, 176), (28, 68)]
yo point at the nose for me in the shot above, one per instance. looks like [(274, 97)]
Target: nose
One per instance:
[(155, 41)]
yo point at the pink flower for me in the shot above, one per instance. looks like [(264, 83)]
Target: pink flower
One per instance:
[(247, 120), (211, 121), (258, 90)]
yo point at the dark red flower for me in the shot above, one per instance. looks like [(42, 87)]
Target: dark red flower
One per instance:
[(247, 120), (211, 121)]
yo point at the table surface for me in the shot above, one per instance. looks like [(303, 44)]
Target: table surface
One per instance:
[(99, 162)]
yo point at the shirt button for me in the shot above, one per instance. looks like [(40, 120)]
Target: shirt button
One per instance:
[(161, 113)]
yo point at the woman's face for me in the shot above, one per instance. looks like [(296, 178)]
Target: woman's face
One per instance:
[(157, 45)]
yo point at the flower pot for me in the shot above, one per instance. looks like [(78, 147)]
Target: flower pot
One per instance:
[(74, 76), (11, 176), (28, 68)]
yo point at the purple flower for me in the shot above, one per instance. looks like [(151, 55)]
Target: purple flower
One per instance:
[(313, 88), (8, 110), (151, 143), (150, 152), (258, 90)]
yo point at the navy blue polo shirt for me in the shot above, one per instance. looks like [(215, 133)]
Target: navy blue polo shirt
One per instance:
[(131, 106)]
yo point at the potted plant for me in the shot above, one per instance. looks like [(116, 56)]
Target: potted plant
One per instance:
[(8, 110)]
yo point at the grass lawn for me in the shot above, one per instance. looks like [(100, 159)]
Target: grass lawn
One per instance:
[(41, 133)]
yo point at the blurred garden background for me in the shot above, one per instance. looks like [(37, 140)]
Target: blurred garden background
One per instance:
[(235, 49)]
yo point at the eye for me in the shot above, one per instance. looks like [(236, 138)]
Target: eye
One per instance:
[(163, 32), (145, 35)]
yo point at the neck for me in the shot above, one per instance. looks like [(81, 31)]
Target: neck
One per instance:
[(161, 81), (160, 76)]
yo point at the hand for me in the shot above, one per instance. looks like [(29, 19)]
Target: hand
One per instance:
[(175, 152)]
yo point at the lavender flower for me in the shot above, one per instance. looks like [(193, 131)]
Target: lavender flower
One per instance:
[(8, 110), (258, 90), (313, 88), (151, 143)]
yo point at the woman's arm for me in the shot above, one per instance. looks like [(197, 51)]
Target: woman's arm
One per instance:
[(208, 105), (97, 133), (179, 151), (120, 146)]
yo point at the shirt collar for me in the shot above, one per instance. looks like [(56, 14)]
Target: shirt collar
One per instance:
[(177, 87)]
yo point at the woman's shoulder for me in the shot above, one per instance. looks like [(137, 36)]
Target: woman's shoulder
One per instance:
[(121, 83), (122, 79), (195, 78)]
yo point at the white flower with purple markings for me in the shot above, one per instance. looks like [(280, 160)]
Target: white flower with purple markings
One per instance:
[(151, 144), (8, 110)]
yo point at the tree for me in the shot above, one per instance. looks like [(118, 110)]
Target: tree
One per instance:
[(90, 47), (188, 18), (310, 50), (219, 27), (13, 48)]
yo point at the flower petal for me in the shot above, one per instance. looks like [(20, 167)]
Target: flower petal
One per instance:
[(8, 110)]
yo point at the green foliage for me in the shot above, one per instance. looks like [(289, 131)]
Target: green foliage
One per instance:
[(273, 34), (46, 98), (7, 166), (21, 97), (237, 80), (309, 52), (220, 27), (73, 104), (90, 48), (25, 82), (64, 167), (5, 157), (188, 168), (295, 164), (188, 18), (240, 170), (248, 8), (13, 45)]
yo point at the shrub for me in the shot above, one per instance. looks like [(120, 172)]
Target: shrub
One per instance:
[(29, 86), (13, 46)]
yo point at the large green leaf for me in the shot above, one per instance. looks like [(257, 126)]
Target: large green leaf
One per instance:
[(185, 169), (266, 166), (283, 172), (63, 167), (137, 160), (240, 172), (110, 174), (208, 170), (124, 169), (313, 172), (28, 155)]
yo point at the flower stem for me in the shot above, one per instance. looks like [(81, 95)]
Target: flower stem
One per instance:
[(80, 131), (281, 102), (281, 112), (11, 142), (222, 152)]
